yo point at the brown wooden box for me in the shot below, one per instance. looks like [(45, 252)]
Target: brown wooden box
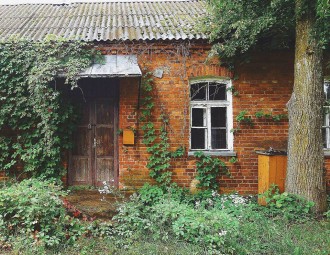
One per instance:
[(128, 137), (271, 170)]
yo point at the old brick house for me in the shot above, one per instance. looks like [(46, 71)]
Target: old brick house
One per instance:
[(195, 92)]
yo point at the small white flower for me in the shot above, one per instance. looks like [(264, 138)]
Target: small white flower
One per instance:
[(209, 201), (222, 233)]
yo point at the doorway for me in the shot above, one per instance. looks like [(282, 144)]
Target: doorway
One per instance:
[(93, 158)]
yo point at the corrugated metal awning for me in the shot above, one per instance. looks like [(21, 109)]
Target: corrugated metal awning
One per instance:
[(114, 66)]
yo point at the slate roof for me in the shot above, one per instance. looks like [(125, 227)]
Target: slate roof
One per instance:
[(105, 21)]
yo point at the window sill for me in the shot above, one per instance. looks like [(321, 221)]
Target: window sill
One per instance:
[(217, 153)]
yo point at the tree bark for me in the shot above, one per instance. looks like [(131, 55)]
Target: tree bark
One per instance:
[(305, 172)]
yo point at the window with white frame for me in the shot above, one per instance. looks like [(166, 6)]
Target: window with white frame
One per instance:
[(326, 121), (211, 115)]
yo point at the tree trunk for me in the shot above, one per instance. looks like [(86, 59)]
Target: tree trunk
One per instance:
[(305, 172)]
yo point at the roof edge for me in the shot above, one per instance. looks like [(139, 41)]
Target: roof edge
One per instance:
[(72, 2)]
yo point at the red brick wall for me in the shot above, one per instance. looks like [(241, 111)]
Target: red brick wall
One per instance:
[(264, 85)]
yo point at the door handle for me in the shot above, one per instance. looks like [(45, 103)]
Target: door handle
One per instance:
[(90, 126)]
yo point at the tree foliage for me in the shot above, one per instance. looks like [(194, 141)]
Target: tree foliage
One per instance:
[(35, 122), (238, 26)]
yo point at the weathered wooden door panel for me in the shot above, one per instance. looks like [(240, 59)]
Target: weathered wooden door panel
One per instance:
[(104, 112), (82, 142), (93, 159), (81, 173), (104, 170), (104, 134), (104, 141), (80, 162)]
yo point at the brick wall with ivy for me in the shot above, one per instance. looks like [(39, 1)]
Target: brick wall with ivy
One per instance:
[(264, 86)]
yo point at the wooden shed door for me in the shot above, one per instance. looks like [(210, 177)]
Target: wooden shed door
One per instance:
[(92, 158), (103, 141)]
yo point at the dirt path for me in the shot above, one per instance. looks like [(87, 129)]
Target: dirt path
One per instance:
[(92, 204)]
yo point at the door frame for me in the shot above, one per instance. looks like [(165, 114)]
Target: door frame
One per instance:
[(115, 134), (115, 139)]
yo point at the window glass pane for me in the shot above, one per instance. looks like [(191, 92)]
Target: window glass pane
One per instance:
[(218, 139), (218, 117), (327, 90), (198, 91), (198, 117), (198, 138), (217, 91), (326, 116)]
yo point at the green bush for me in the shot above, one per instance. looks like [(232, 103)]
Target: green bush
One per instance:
[(168, 218), (288, 206), (327, 213), (150, 194), (33, 208), (219, 224)]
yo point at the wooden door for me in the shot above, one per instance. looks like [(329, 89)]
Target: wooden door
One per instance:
[(103, 141), (80, 164), (92, 159)]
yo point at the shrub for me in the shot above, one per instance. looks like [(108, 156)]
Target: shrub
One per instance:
[(288, 206), (33, 208), (150, 194), (168, 218), (327, 213), (212, 229)]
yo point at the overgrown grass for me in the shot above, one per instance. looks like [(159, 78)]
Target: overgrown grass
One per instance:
[(171, 221), (102, 246), (269, 236), (311, 237)]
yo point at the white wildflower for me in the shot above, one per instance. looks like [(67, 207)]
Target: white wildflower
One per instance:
[(222, 233), (209, 201), (214, 193), (238, 200)]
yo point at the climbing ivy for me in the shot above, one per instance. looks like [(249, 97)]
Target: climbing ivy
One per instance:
[(36, 123), (208, 170), (243, 117), (156, 140), (274, 117)]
